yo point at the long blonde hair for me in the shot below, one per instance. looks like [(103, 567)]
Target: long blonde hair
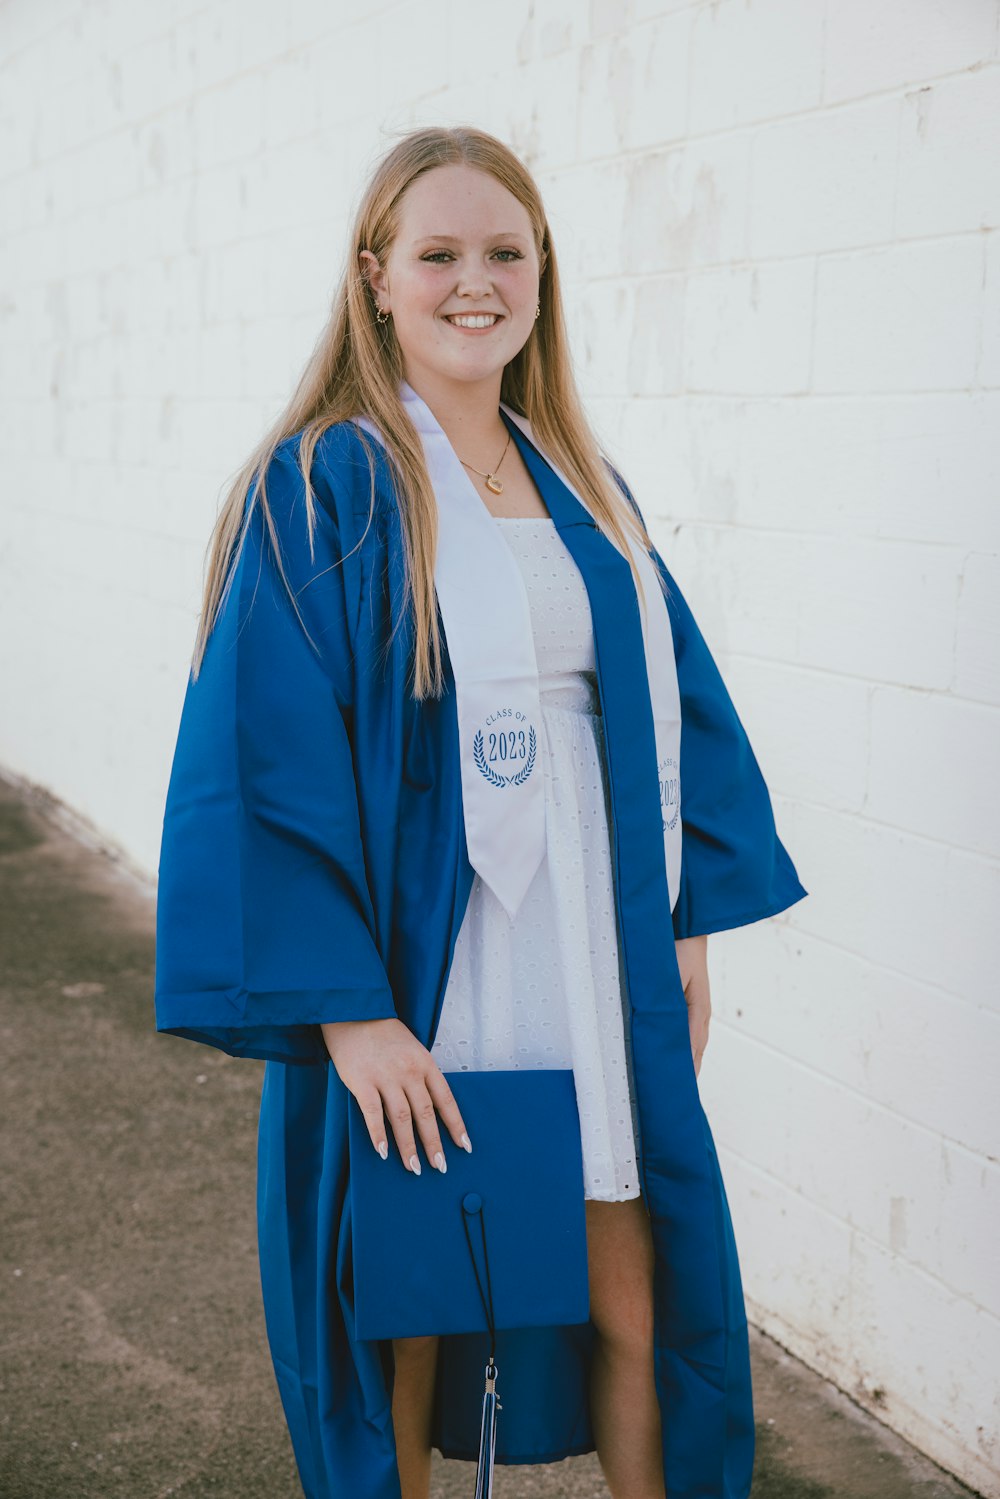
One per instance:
[(356, 368)]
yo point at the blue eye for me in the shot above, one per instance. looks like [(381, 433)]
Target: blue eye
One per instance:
[(433, 254)]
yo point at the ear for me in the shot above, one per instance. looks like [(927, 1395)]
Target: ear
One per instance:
[(371, 270)]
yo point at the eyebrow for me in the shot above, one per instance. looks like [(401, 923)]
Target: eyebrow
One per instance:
[(451, 240)]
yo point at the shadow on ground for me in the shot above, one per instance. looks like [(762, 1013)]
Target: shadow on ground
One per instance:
[(134, 1360)]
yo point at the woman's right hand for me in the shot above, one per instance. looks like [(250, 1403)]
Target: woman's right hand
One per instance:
[(394, 1077)]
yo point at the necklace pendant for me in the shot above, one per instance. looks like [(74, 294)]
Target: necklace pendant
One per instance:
[(495, 486)]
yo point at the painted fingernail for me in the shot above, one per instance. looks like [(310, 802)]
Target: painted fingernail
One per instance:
[(383, 1150), (467, 1143), (440, 1162), (414, 1165)]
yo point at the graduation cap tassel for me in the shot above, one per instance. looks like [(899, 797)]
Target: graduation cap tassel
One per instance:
[(491, 1404), (487, 1435)]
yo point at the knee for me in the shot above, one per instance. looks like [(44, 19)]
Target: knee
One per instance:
[(627, 1329)]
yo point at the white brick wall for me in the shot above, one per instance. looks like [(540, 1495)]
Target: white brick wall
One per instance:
[(778, 227)]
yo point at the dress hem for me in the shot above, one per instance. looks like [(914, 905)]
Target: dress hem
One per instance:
[(629, 1197)]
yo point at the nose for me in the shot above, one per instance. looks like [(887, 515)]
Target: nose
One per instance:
[(473, 282)]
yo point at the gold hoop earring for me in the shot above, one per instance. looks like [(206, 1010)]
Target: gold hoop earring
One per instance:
[(380, 316), (538, 308)]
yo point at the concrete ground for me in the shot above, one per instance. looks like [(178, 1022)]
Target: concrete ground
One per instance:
[(133, 1358)]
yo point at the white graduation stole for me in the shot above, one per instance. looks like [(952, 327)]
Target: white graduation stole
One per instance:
[(487, 623)]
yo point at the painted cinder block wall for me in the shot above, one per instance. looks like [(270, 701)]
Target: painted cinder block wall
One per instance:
[(778, 227)]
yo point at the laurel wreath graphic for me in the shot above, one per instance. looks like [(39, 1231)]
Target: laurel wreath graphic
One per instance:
[(493, 776)]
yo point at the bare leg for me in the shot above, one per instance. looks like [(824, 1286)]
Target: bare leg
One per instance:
[(412, 1405), (624, 1405)]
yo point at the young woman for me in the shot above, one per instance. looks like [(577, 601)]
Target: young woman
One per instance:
[(334, 899)]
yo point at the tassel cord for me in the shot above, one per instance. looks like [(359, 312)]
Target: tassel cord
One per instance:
[(487, 1305), (491, 1404)]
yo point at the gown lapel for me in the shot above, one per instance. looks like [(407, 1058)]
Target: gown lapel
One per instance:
[(676, 1156)]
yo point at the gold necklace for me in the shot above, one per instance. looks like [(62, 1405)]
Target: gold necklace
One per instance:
[(493, 484)]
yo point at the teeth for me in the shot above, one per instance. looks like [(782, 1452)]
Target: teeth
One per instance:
[(481, 321)]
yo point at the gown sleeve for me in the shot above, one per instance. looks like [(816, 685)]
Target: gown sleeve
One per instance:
[(734, 868), (264, 919)]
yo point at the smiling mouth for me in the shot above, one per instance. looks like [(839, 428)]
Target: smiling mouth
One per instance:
[(478, 322)]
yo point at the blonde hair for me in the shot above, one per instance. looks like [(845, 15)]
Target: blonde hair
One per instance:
[(356, 368)]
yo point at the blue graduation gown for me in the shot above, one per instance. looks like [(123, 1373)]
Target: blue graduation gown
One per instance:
[(314, 867)]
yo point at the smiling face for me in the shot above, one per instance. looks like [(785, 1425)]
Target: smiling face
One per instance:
[(464, 246)]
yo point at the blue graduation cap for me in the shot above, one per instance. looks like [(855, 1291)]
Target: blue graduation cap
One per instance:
[(499, 1240)]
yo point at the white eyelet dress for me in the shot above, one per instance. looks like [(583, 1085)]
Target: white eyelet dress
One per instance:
[(544, 990)]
